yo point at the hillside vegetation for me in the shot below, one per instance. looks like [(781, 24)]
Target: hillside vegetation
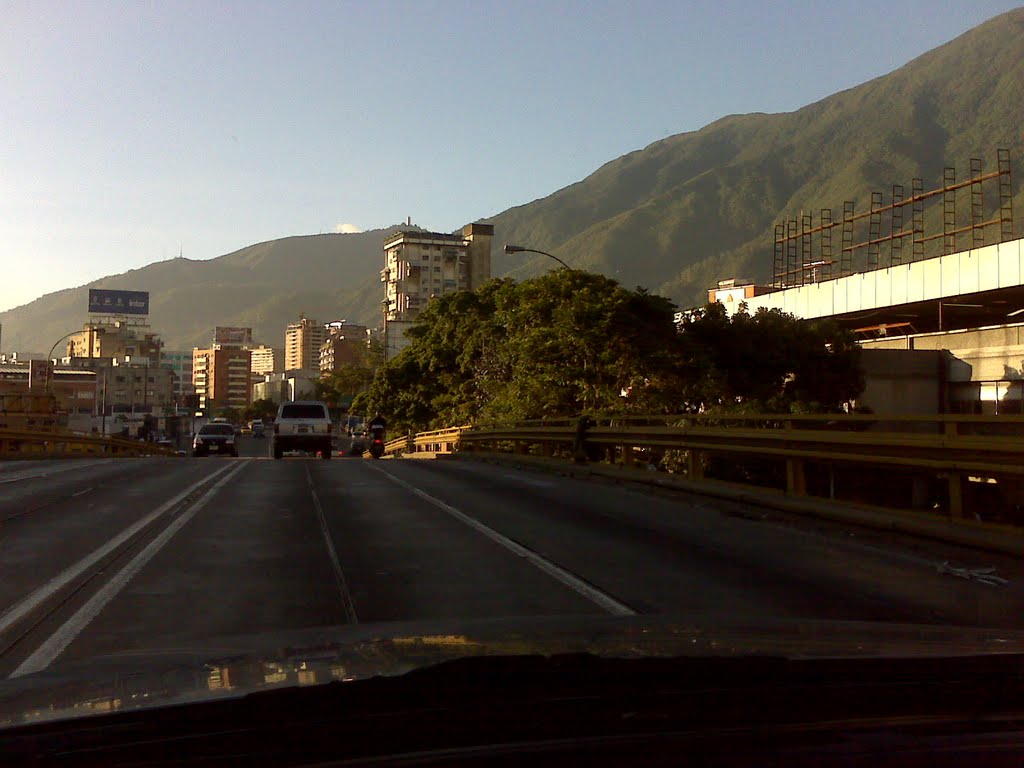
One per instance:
[(696, 207), (673, 217)]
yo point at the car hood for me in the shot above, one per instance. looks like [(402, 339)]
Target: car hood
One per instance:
[(237, 666)]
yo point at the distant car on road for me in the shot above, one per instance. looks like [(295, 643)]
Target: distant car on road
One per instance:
[(304, 425), (215, 438)]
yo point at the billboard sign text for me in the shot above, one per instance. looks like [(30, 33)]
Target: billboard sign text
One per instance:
[(118, 302)]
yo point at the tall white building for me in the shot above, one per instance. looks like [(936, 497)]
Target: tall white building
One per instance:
[(266, 360), (302, 342), (421, 265)]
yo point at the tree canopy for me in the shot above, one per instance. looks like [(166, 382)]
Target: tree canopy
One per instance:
[(338, 388), (571, 342)]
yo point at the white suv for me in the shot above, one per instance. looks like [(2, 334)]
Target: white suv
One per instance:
[(304, 425)]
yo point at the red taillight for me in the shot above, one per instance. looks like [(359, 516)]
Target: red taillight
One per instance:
[(330, 427)]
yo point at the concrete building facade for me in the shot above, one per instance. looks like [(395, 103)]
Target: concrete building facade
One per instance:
[(344, 343), (939, 335), (118, 338), (221, 376), (419, 266), (302, 342), (266, 360), (74, 391), (180, 363), (285, 387)]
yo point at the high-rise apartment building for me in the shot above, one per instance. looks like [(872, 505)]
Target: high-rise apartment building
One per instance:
[(345, 343), (221, 377), (302, 342), (221, 374), (180, 362), (420, 265), (266, 360)]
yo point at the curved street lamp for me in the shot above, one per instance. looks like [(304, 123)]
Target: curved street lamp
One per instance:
[(49, 357), (521, 249)]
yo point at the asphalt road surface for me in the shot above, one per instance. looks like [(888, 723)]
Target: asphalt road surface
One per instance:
[(118, 556)]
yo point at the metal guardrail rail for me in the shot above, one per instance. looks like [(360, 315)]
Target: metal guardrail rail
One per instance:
[(438, 441), (947, 448), (38, 444)]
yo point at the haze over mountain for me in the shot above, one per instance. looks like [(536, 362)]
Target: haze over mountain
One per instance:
[(673, 217)]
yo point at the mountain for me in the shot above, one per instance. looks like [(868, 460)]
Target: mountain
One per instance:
[(673, 217), (265, 286), (696, 207)]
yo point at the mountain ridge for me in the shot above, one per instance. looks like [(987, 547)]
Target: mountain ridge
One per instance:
[(673, 216)]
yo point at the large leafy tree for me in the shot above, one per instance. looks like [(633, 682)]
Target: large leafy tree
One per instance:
[(339, 387), (768, 361), (571, 342)]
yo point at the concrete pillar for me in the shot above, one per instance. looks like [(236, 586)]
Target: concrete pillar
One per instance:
[(627, 456), (694, 465), (956, 495), (796, 478)]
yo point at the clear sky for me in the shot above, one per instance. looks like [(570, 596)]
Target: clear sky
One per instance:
[(131, 131)]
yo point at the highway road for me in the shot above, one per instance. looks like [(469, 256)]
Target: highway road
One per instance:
[(117, 556)]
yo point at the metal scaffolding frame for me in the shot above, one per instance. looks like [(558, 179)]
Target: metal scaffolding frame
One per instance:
[(862, 233)]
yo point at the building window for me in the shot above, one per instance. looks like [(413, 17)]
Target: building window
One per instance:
[(119, 379)]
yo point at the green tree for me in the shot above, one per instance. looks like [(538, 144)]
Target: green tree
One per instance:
[(259, 409), (232, 414), (768, 361), (572, 342), (339, 387)]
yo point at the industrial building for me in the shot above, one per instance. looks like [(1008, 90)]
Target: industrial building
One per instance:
[(939, 314)]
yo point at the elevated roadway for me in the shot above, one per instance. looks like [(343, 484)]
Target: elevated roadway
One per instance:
[(100, 558)]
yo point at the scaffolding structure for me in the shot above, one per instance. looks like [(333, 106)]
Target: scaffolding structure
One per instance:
[(875, 238)]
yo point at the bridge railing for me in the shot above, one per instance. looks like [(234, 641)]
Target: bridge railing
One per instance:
[(66, 444), (932, 461), (438, 441)]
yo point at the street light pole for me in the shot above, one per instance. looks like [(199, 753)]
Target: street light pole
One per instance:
[(49, 357), (521, 249)]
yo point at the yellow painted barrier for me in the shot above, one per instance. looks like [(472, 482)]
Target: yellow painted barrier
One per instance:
[(64, 444)]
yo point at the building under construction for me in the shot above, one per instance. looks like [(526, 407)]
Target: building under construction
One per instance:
[(936, 278)]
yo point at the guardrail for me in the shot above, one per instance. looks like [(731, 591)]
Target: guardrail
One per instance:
[(64, 444), (929, 462), (424, 444)]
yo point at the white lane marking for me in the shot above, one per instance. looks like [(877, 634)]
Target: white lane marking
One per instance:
[(605, 601), (54, 645), (52, 471), (339, 575), (33, 600)]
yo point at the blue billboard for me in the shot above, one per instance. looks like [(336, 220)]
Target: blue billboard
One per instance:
[(118, 302)]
